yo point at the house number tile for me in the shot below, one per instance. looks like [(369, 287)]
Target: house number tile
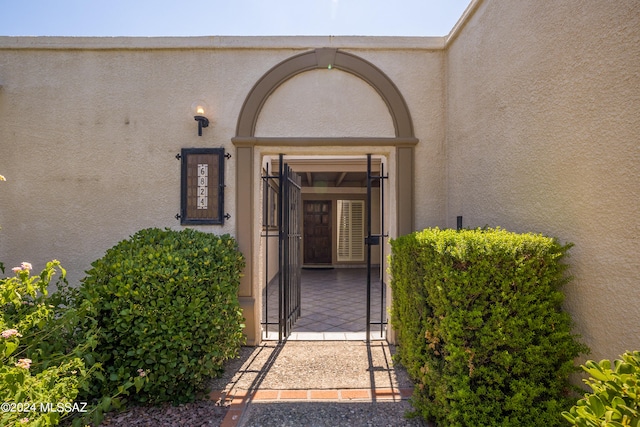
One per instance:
[(203, 185)]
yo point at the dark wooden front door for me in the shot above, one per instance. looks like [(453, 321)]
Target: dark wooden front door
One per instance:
[(317, 232)]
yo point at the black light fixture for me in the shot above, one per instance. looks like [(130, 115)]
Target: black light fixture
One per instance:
[(199, 108)]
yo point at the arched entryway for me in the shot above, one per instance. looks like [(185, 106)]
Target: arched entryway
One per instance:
[(250, 148)]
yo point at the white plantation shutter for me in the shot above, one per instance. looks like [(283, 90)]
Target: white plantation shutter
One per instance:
[(350, 230)]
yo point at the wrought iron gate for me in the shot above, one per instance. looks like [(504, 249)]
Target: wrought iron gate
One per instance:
[(374, 240), (282, 194)]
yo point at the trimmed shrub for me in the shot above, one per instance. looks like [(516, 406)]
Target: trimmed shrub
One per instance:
[(164, 304), (615, 400), (480, 326)]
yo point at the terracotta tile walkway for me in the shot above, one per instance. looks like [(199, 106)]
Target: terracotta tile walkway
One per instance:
[(239, 402)]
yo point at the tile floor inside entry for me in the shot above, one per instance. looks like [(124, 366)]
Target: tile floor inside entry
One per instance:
[(333, 306)]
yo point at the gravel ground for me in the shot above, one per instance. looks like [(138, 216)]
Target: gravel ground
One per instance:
[(294, 366), (320, 414), (314, 365), (197, 414)]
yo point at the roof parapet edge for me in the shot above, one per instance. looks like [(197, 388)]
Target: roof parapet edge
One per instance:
[(220, 42), (466, 17)]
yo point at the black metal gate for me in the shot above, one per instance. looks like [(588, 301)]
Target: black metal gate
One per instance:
[(374, 240), (282, 204)]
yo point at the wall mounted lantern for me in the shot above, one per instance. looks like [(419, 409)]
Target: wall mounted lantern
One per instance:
[(199, 109)]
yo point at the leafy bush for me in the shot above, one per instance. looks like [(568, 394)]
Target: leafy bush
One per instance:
[(46, 365), (615, 401), (480, 326), (164, 305), (38, 330), (36, 366)]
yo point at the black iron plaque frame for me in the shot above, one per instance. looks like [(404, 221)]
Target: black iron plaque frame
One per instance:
[(202, 186)]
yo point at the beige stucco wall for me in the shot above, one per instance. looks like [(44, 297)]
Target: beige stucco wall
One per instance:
[(89, 128), (88, 144), (325, 103), (543, 135), (423, 86), (89, 138), (333, 103), (527, 118)]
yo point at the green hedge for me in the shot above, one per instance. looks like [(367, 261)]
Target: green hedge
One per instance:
[(480, 326), (164, 306)]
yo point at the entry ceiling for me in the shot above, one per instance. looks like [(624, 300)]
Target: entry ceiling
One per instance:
[(332, 172), (334, 179)]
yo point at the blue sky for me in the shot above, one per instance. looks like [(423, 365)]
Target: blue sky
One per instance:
[(229, 17)]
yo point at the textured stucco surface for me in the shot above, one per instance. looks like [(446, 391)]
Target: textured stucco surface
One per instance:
[(89, 140), (527, 119), (543, 130), (89, 127), (325, 103)]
